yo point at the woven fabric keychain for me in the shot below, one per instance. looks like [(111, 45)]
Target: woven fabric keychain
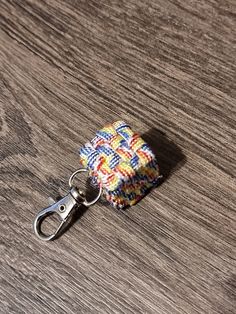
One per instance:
[(122, 163), (119, 162)]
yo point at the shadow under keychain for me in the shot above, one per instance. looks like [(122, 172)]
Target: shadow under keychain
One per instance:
[(119, 162)]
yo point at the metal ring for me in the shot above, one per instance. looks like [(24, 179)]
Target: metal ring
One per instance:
[(85, 202)]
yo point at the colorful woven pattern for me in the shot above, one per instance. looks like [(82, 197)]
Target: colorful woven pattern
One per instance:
[(122, 163)]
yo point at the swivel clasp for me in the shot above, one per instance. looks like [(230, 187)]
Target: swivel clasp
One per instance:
[(63, 208)]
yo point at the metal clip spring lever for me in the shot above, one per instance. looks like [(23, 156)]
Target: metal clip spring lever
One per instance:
[(63, 208)]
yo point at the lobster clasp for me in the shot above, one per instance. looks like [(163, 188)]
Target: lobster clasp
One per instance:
[(62, 208)]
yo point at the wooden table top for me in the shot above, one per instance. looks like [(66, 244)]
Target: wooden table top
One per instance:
[(167, 68)]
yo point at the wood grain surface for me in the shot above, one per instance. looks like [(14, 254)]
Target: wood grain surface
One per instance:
[(166, 67)]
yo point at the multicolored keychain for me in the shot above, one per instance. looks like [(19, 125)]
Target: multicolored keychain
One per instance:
[(122, 166)]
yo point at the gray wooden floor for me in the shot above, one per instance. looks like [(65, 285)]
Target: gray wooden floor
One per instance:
[(167, 68)]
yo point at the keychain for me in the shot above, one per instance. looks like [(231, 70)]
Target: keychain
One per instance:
[(119, 162)]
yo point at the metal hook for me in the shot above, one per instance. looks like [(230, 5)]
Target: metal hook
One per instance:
[(62, 208)]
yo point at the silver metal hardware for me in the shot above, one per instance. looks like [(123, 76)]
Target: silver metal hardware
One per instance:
[(85, 203), (63, 208)]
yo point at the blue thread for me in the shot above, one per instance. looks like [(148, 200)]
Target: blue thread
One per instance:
[(104, 135), (114, 161)]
